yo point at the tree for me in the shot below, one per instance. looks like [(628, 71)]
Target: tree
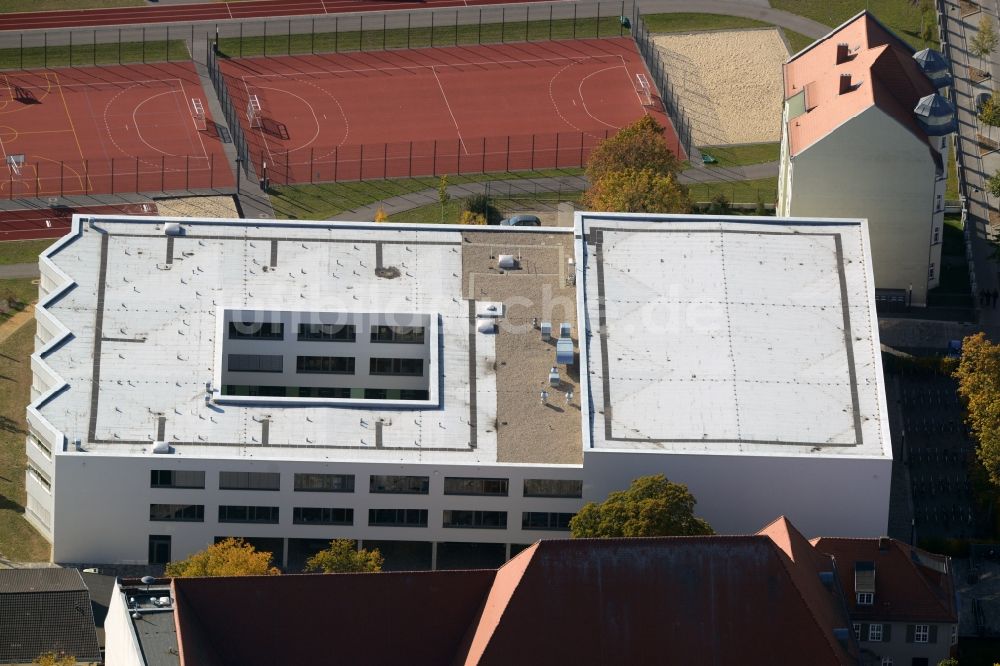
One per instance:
[(343, 556), (652, 506), (229, 557), (468, 217), (989, 114), (993, 184), (927, 20), (950, 661), (443, 196), (380, 215), (53, 659), (978, 376), (637, 191), (637, 146), (985, 41)]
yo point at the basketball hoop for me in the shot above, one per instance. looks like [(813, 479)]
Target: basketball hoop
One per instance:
[(254, 112), (644, 90), (198, 114), (15, 162)]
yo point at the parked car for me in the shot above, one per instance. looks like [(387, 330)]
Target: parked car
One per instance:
[(980, 100), (522, 221)]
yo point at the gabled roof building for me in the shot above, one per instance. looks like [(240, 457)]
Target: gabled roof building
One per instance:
[(865, 134)]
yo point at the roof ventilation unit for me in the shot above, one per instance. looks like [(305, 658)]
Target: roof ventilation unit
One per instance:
[(173, 229), (161, 447), (843, 53), (845, 84), (507, 261)]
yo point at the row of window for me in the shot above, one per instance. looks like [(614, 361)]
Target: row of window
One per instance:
[(243, 330), (325, 365), (487, 520), (344, 483), (882, 633), (325, 392)]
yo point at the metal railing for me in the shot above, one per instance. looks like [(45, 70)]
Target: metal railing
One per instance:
[(101, 46)]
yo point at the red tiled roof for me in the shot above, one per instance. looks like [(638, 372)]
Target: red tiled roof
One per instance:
[(910, 584), (883, 74)]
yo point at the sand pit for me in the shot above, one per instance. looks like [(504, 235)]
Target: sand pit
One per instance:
[(728, 83), (220, 206)]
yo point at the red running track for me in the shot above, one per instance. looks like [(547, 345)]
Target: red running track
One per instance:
[(55, 222), (221, 11)]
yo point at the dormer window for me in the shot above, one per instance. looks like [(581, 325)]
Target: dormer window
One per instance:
[(864, 583), (865, 598)]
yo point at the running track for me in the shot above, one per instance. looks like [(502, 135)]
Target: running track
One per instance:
[(220, 11)]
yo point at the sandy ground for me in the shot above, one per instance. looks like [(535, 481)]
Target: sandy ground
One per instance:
[(221, 206), (728, 83)]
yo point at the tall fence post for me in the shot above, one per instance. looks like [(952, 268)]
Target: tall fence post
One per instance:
[(503, 24), (144, 44), (241, 39), (136, 174), (574, 20), (312, 38)]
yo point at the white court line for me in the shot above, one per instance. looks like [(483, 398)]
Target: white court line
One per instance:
[(104, 84), (450, 112), (297, 73)]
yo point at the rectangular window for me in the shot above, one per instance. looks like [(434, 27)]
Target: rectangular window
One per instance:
[(937, 234), (175, 478), (249, 481), (865, 598), (326, 365), (875, 633), (857, 630), (886, 661), (307, 515), (402, 334), (486, 520), (255, 363), (39, 476), (186, 513), (540, 520), (324, 392), (410, 367), (553, 488), (403, 485), (930, 272), (248, 514), (397, 517), (954, 634), (921, 633), (255, 330), (159, 548), (328, 332), (40, 444), (324, 483), (460, 485), (411, 394), (375, 394)]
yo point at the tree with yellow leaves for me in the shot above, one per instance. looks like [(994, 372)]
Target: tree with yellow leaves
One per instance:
[(343, 556), (638, 146), (53, 659), (380, 214), (978, 376), (637, 191), (229, 557)]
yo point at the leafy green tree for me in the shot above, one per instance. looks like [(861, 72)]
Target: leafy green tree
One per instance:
[(993, 184), (230, 557), (637, 191), (978, 376), (343, 556), (989, 114), (950, 661), (652, 506), (984, 42), (639, 146), (53, 659), (443, 196)]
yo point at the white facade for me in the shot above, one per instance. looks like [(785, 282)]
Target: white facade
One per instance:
[(873, 167), (118, 419)]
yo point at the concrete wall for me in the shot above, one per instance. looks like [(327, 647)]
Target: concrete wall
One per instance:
[(872, 167), (740, 494), (102, 504), (121, 647)]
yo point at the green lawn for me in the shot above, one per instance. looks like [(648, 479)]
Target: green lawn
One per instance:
[(50, 5), (23, 252), (689, 22), (18, 540), (431, 213), (749, 191), (902, 16), (953, 242), (951, 187), (797, 41), (320, 202), (21, 290), (753, 153), (376, 38), (81, 55)]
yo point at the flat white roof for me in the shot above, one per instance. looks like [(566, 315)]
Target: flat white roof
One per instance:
[(142, 312), (730, 335)]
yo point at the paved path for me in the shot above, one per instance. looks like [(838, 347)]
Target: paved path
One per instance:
[(958, 32), (14, 271), (529, 186)]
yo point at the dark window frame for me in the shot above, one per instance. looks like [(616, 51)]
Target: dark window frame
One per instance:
[(327, 333), (552, 523), (422, 484), (156, 479), (266, 330), (419, 514), (268, 515), (301, 475), (327, 515), (395, 368), (473, 519), (276, 476), (503, 486), (180, 513), (413, 335), (576, 494), (244, 358), (326, 365)]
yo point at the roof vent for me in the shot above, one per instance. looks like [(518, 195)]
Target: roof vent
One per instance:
[(161, 447), (883, 543), (843, 53), (845, 84), (172, 229)]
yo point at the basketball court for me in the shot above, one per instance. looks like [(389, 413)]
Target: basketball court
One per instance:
[(470, 109), (56, 221), (103, 130)]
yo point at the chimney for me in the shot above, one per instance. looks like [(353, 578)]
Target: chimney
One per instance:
[(883, 543), (843, 54), (845, 83)]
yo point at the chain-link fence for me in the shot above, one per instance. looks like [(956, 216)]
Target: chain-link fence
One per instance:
[(103, 46)]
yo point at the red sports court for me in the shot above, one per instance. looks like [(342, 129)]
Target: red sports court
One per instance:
[(38, 223), (100, 130), (463, 109)]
